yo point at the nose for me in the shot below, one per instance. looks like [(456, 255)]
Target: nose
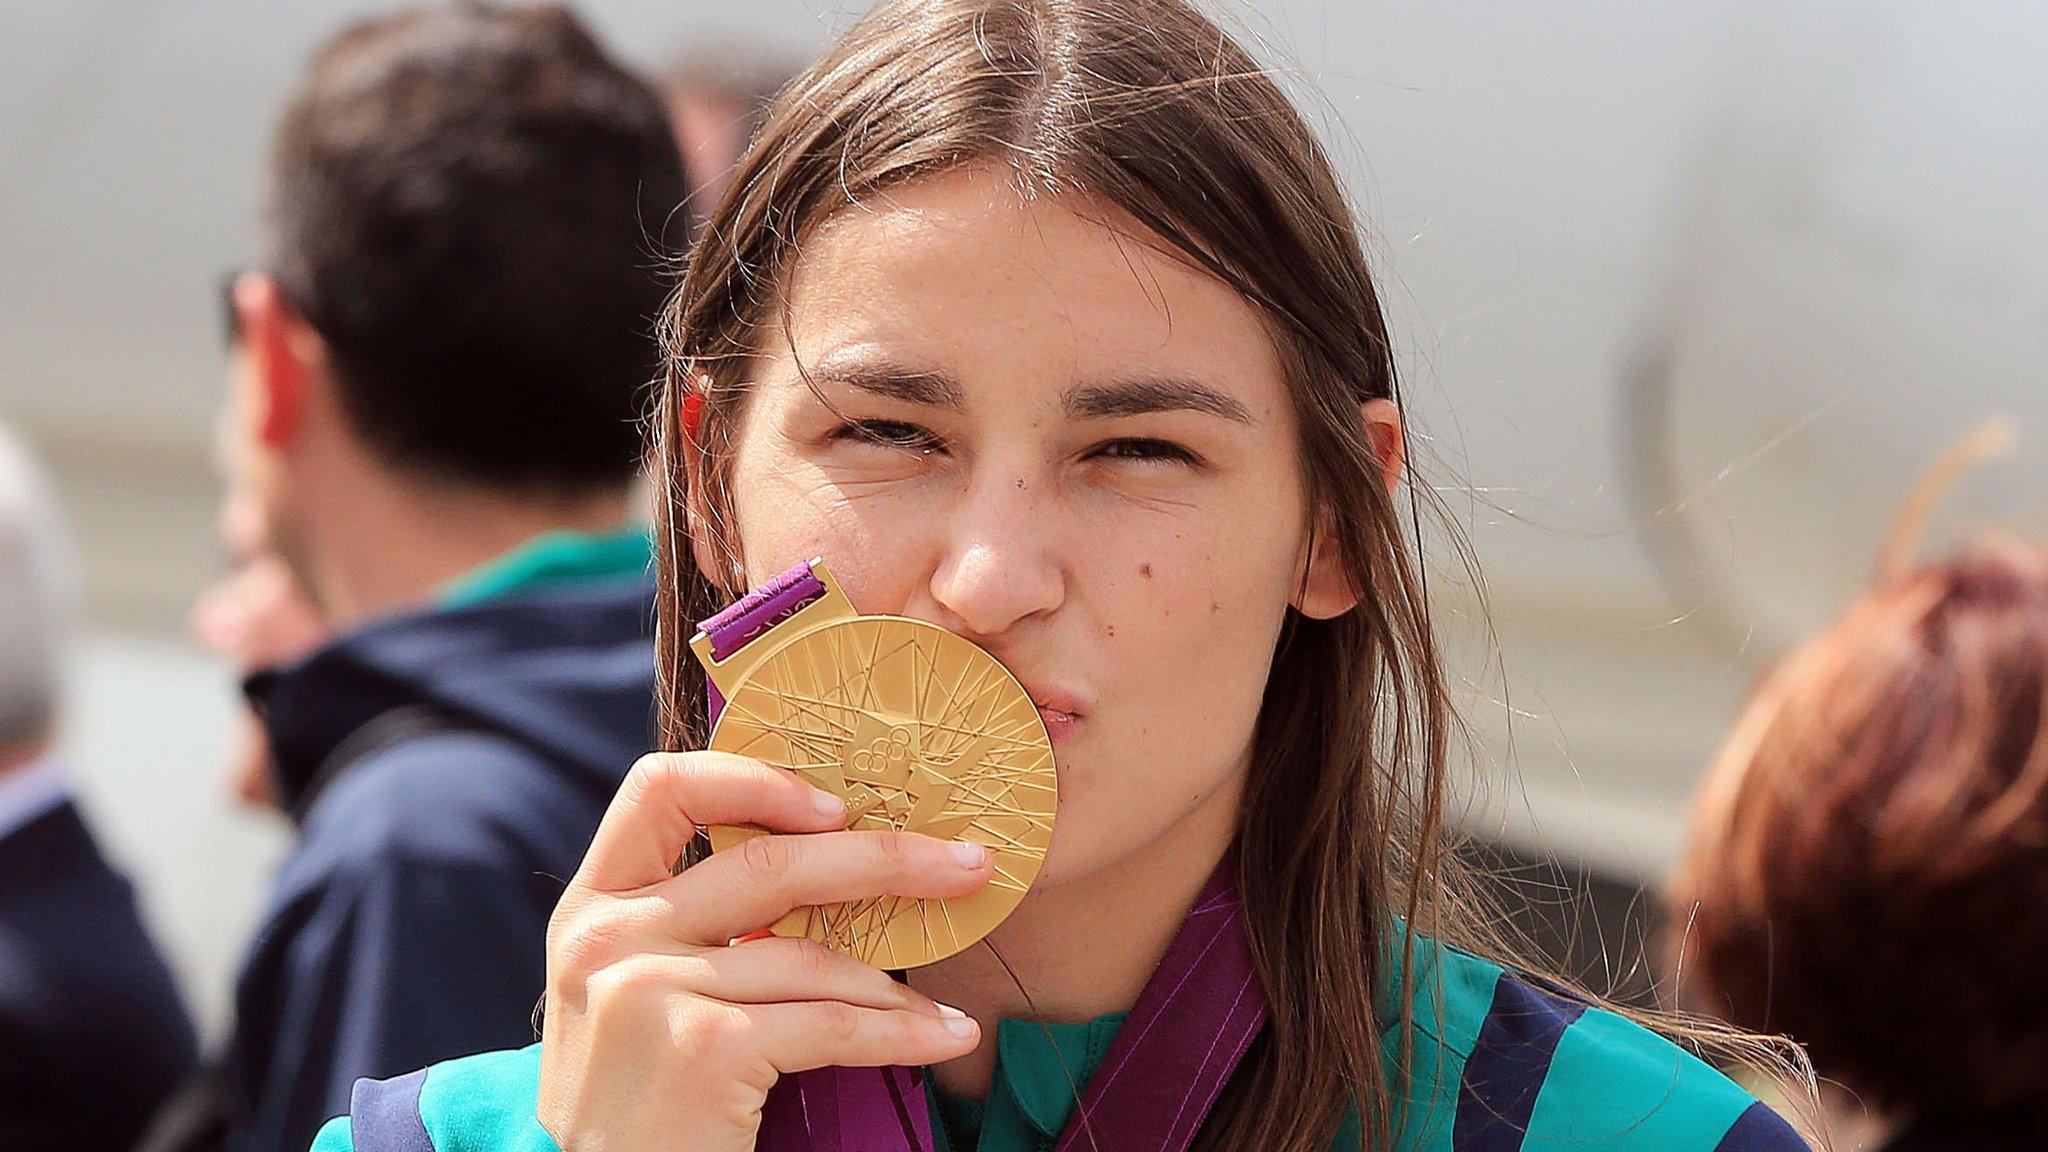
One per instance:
[(997, 566)]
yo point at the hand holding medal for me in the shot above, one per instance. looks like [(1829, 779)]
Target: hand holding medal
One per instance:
[(848, 750)]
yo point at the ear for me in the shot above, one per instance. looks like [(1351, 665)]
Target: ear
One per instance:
[(284, 353), (1389, 440), (1327, 589)]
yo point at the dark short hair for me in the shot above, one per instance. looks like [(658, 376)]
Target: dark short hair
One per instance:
[(1869, 866), (469, 205)]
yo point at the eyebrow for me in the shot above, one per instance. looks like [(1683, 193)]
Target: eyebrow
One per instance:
[(1140, 395), (1135, 396), (893, 381)]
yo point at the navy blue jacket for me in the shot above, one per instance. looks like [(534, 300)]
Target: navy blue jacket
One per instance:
[(447, 768), (92, 1035)]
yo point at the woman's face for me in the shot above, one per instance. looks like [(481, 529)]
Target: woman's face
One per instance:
[(1064, 445)]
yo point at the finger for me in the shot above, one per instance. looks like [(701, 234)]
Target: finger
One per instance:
[(668, 794), (780, 970), (822, 1033), (761, 879)]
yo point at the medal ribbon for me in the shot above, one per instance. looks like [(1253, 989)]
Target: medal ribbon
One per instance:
[(1192, 1024)]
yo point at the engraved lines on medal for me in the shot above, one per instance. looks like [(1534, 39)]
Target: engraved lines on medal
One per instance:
[(919, 730)]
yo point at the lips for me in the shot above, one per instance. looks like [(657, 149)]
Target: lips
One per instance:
[(1062, 709), (1065, 701)]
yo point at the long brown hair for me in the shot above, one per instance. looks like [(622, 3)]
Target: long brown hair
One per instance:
[(1149, 106)]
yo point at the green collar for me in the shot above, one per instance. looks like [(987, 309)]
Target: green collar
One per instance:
[(551, 559), (1042, 1068), (1040, 1071)]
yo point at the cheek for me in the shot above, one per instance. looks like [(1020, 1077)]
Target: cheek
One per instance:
[(1219, 588), (1192, 630), (1208, 601), (783, 513), (776, 532), (1205, 667), (1191, 647), (787, 516)]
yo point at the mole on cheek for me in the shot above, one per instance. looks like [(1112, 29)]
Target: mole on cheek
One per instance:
[(1110, 629), (1145, 570)]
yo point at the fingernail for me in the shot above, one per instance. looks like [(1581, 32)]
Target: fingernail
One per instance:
[(957, 1022), (826, 803), (968, 854)]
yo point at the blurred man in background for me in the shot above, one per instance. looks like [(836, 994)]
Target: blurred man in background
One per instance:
[(92, 1035), (434, 423), (256, 616)]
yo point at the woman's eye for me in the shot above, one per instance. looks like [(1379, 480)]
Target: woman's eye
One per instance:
[(1165, 451), (889, 434), (907, 437)]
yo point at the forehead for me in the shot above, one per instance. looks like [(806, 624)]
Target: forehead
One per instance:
[(964, 268)]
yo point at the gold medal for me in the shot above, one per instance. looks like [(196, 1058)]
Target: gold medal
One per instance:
[(917, 728)]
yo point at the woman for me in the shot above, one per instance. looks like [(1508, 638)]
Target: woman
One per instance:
[(1869, 860), (1046, 321)]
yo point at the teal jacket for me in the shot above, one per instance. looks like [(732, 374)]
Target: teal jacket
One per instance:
[(1498, 1065)]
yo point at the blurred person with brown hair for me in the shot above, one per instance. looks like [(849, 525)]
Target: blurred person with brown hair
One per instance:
[(92, 1033), (1868, 866), (433, 437)]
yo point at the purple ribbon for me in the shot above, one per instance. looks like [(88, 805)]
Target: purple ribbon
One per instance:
[(1192, 1024), (1194, 1021), (753, 614)]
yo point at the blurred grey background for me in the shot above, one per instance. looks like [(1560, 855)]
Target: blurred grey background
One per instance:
[(1686, 294)]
